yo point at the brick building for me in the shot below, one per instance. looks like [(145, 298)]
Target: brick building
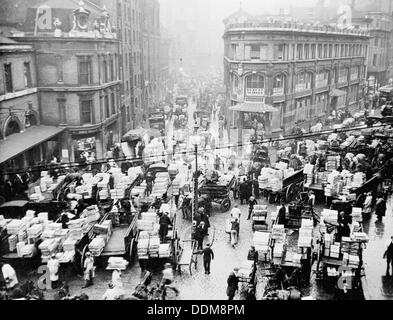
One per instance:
[(150, 53), (291, 72), (77, 74), (23, 141)]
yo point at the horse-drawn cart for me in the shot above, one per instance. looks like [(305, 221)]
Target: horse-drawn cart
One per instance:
[(291, 187), (220, 192)]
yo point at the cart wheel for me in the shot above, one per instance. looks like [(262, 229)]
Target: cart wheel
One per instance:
[(83, 256), (292, 190), (226, 205)]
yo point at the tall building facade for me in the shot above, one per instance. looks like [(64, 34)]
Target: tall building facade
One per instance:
[(302, 71), (24, 142), (150, 53), (77, 59)]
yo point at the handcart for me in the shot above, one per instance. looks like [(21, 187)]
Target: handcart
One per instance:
[(188, 255)]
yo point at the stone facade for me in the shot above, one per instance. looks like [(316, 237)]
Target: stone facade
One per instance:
[(293, 68)]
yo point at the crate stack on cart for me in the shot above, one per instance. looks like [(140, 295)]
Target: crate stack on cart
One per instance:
[(279, 237), (294, 218), (259, 218), (262, 242), (305, 238)]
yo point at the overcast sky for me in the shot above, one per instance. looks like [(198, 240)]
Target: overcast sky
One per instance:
[(223, 8)]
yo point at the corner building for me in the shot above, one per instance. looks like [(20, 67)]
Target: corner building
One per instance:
[(305, 72)]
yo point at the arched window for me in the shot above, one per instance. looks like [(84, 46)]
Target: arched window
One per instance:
[(279, 84), (322, 79), (255, 85), (303, 81), (12, 127)]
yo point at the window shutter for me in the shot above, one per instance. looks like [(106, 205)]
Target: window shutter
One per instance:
[(247, 53)]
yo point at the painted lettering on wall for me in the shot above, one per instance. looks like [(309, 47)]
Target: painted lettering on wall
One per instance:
[(44, 18)]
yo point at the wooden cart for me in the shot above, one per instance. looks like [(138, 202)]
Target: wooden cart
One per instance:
[(188, 255), (291, 187)]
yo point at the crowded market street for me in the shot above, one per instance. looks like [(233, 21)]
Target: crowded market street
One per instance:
[(138, 164)]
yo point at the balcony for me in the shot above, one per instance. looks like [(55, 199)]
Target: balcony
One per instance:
[(278, 91), (302, 87), (255, 92)]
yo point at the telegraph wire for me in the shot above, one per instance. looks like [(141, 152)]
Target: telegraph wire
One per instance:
[(190, 151)]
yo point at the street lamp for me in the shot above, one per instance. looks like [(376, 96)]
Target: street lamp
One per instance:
[(195, 140)]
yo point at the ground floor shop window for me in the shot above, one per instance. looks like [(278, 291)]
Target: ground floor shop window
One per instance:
[(84, 148)]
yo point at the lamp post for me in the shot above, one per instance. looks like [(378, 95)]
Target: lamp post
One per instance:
[(195, 140)]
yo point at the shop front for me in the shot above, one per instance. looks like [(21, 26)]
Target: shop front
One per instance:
[(35, 146), (254, 115)]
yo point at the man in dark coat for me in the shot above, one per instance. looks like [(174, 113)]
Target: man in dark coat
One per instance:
[(111, 181), (282, 214), (243, 191), (165, 222), (233, 285), (389, 255), (380, 208), (251, 203), (208, 256), (253, 255)]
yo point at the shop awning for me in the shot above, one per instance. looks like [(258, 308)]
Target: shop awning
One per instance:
[(337, 93), (253, 107), (19, 142)]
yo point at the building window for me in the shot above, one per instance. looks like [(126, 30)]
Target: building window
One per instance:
[(280, 52), (105, 70), (375, 58), (336, 50), (255, 52), (343, 75), (325, 50), (319, 51), (342, 51), (255, 85), (106, 106), (113, 103), (299, 52), (302, 108), (8, 78), (279, 84), (85, 70), (313, 51), (322, 79), (27, 74), (354, 73), (86, 111), (307, 51), (303, 81), (376, 41), (330, 50), (111, 70), (353, 93), (233, 53)]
